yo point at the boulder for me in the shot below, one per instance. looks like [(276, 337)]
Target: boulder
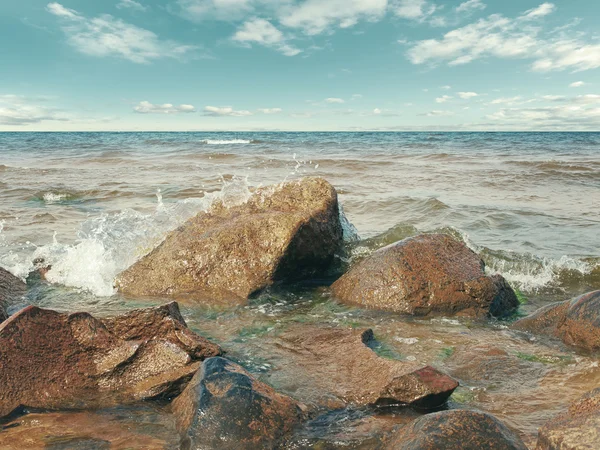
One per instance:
[(282, 232), (576, 322), (340, 362), (430, 274), (52, 360), (225, 407), (11, 289), (577, 428), (456, 430)]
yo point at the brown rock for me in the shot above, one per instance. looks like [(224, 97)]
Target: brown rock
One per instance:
[(457, 430), (430, 274), (578, 428), (282, 232), (11, 289), (575, 322), (340, 361), (225, 407), (55, 361)]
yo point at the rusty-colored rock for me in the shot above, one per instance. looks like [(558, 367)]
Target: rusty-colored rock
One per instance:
[(11, 289), (339, 360), (457, 430), (578, 428), (576, 322), (55, 361), (282, 232), (430, 274), (225, 407)]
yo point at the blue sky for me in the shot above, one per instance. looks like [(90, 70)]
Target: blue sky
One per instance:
[(299, 65)]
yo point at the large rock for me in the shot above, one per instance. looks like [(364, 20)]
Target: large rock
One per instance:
[(55, 361), (11, 289), (225, 407), (577, 428), (457, 430), (340, 362), (282, 232), (426, 275), (575, 322)]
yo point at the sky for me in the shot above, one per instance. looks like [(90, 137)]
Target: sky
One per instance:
[(299, 65)]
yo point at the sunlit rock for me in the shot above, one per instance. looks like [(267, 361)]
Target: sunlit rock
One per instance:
[(11, 289)]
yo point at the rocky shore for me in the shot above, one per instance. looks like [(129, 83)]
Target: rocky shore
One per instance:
[(62, 375)]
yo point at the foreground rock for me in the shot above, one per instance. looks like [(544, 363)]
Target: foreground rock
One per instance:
[(225, 407), (282, 232), (457, 430), (56, 361), (11, 289), (578, 428), (426, 275), (339, 361), (576, 322)]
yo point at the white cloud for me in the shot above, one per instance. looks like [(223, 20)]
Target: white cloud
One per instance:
[(443, 99), (334, 100), (577, 84), (146, 107), (217, 111), (377, 111), (439, 113), (467, 95), (270, 110), (543, 10), (412, 9), (446, 88), (131, 4), (21, 111), (470, 5), (107, 36), (505, 100), (199, 10), (263, 32)]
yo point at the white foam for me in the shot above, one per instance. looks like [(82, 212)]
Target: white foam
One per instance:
[(52, 197), (225, 141)]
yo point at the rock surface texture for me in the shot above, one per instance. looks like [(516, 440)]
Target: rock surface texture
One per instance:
[(55, 361), (225, 407), (11, 289), (282, 232), (578, 428), (340, 361), (576, 322), (457, 430), (430, 274)]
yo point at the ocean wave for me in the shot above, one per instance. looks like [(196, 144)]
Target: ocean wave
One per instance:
[(226, 141)]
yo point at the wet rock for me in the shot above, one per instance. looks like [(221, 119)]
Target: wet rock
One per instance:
[(578, 428), (575, 322), (457, 430), (282, 232), (11, 289), (430, 274), (225, 407), (56, 361), (339, 361)]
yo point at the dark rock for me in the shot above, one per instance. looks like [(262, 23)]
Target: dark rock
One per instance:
[(457, 430), (431, 274), (11, 289), (282, 232), (56, 361), (339, 361), (224, 407), (575, 322), (578, 428)]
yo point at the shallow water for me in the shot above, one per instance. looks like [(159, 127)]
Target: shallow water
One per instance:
[(92, 203)]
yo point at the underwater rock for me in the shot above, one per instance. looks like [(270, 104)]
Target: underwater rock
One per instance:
[(576, 322), (456, 430), (577, 428), (430, 274), (11, 289), (52, 360), (283, 232), (225, 407), (340, 361)]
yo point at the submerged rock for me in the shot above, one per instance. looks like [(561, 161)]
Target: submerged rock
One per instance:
[(578, 428), (225, 407), (11, 289), (282, 232), (340, 361), (457, 430), (56, 361), (426, 275), (576, 322)]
